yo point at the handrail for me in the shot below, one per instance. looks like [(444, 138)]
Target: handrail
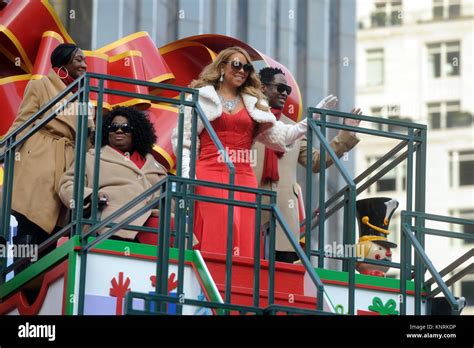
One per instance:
[(45, 108), (426, 261), (453, 265), (458, 276), (10, 142), (361, 177), (168, 192), (184, 190), (412, 234), (415, 134), (350, 196), (363, 186), (166, 183)]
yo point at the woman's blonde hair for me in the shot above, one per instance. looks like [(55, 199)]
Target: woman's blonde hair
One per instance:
[(211, 74)]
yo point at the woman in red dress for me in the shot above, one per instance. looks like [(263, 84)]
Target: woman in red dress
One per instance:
[(231, 98)]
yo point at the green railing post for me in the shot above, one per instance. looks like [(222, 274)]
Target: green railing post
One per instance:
[(79, 159), (7, 192), (159, 290), (322, 192), (423, 258), (98, 146), (409, 207), (165, 231), (81, 149), (309, 186), (256, 267), (166, 242), (404, 272), (180, 217), (351, 216), (420, 207), (271, 253), (349, 192), (409, 173)]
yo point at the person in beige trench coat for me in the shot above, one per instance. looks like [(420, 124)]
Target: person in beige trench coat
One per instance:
[(127, 167), (44, 157), (281, 177)]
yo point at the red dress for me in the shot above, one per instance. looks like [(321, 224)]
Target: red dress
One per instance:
[(236, 132)]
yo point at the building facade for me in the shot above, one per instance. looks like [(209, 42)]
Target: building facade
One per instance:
[(415, 64)]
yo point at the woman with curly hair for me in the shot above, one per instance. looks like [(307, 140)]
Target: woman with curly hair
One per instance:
[(127, 167), (231, 98)]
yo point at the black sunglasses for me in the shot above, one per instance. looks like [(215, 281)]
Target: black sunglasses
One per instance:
[(237, 66), (281, 87), (125, 127)]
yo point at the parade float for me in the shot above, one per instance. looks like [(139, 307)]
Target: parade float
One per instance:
[(88, 275)]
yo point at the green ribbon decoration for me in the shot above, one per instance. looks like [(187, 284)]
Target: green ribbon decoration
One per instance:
[(388, 309)]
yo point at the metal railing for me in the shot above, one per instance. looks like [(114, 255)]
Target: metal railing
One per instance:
[(171, 188), (413, 235), (415, 142), (181, 190)]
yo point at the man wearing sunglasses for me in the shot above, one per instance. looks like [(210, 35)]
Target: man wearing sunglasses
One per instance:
[(277, 171)]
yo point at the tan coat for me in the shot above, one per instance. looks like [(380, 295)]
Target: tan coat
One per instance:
[(120, 179), (43, 158), (287, 188)]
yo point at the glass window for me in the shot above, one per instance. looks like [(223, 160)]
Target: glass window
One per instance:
[(461, 168), (446, 9), (388, 182), (466, 168), (434, 115), (468, 215), (448, 115), (376, 111), (454, 8), (378, 18), (386, 13), (452, 58), (434, 60), (396, 13), (375, 67), (444, 59), (452, 114), (394, 180), (438, 9)]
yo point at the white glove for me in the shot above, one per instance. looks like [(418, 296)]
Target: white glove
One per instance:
[(298, 130), (329, 102)]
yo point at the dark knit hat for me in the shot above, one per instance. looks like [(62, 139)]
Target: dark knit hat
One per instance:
[(63, 54)]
